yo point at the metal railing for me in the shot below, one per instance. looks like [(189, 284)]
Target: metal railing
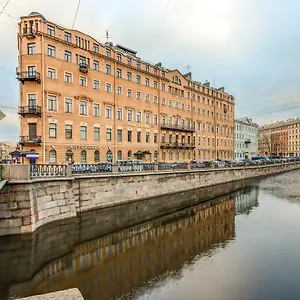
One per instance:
[(33, 109), (172, 166), (47, 170), (28, 76), (178, 127), (29, 31), (91, 168), (83, 67), (177, 145), (23, 140)]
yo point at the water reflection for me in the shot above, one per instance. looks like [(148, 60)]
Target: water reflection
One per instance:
[(69, 254)]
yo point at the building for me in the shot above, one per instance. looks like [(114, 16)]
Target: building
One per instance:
[(84, 101), (246, 138), (280, 139), (5, 149)]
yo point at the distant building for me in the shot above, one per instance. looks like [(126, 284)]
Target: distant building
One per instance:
[(5, 149), (246, 140), (280, 139)]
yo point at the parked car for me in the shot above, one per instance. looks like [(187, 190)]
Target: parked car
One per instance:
[(196, 164)]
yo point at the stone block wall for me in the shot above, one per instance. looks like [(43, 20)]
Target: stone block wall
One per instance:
[(28, 204)]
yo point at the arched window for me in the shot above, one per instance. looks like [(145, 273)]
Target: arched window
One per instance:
[(52, 157), (129, 155), (96, 156), (69, 157), (119, 155), (83, 156)]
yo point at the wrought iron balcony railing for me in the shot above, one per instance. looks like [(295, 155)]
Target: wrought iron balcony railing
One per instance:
[(83, 67), (247, 141), (178, 127), (30, 110), (29, 32), (29, 76), (176, 145), (29, 140)]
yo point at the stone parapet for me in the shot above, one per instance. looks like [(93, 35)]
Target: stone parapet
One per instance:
[(71, 294)]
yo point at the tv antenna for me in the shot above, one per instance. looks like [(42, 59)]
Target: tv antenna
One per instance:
[(188, 68)]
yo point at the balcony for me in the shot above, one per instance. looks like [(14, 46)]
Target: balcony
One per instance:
[(30, 110), (28, 140), (29, 76), (178, 128), (247, 141), (177, 145), (83, 67), (29, 32)]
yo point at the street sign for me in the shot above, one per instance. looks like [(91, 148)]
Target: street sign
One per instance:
[(2, 115)]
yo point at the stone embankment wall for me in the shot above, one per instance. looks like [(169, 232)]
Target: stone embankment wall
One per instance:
[(28, 204)]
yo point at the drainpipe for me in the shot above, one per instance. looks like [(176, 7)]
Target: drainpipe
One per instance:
[(43, 100)]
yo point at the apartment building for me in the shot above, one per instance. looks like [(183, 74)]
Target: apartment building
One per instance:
[(280, 138), (84, 101), (246, 138)]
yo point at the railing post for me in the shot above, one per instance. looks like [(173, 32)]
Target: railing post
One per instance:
[(155, 169), (69, 171), (115, 168), (188, 166)]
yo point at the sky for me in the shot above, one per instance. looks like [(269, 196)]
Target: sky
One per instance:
[(251, 47)]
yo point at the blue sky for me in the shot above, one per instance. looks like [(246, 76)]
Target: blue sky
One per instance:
[(252, 47)]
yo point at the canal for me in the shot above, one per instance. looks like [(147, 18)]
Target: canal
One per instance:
[(242, 245)]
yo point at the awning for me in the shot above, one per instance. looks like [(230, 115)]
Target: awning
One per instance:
[(22, 153), (139, 153)]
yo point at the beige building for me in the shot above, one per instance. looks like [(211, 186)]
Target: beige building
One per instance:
[(5, 149), (84, 101)]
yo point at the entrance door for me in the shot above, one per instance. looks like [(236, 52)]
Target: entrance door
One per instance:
[(32, 131)]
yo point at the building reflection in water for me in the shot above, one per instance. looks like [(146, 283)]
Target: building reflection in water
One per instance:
[(121, 263), (246, 200)]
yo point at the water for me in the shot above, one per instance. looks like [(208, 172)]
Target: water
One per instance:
[(244, 245)]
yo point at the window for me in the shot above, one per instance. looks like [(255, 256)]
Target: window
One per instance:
[(146, 81), (147, 97), (129, 93), (138, 78), (108, 87), (138, 65), (68, 37), (68, 105), (51, 30), (129, 61), (147, 117), (162, 74), (155, 84), (170, 103), (108, 53), (119, 73), (155, 137), (163, 101), (119, 135), (108, 134), (51, 51), (96, 65), (96, 84), (96, 48), (31, 48), (83, 156), (154, 99), (68, 77), (96, 110), (182, 105), (129, 76), (82, 81), (139, 117), (31, 100), (163, 86), (119, 114), (138, 136), (68, 131), (52, 103), (155, 71), (147, 68), (129, 136), (96, 133), (170, 155), (119, 155), (52, 130), (68, 56), (147, 137), (129, 115), (119, 90), (119, 58), (52, 73), (163, 120), (83, 108), (108, 113), (108, 69), (52, 157), (83, 132), (155, 119)]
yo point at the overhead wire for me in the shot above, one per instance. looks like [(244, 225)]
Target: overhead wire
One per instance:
[(3, 7)]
